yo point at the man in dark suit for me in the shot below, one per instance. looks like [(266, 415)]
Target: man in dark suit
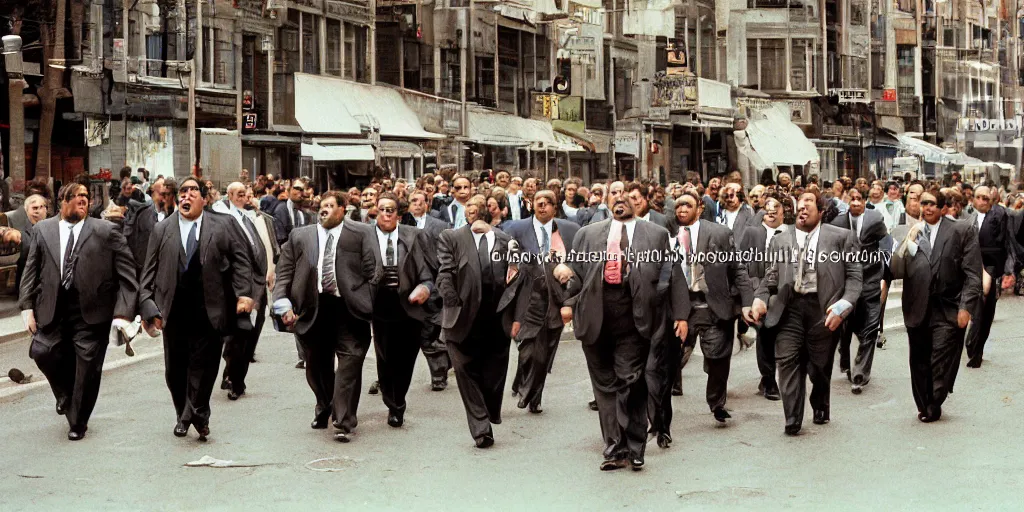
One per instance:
[(990, 222), (196, 282), (141, 218), (734, 212), (616, 316), (241, 345), (868, 228), (808, 297), (755, 241), (434, 349), (326, 282), (640, 196), (472, 281), (288, 214), (79, 279), (603, 211), (941, 265), (398, 314), (711, 205), (712, 284), (546, 239), (454, 213)]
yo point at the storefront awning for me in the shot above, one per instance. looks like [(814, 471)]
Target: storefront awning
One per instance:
[(499, 129), (567, 143), (777, 140), (930, 152), (343, 153), (400, 149), (592, 141), (362, 105)]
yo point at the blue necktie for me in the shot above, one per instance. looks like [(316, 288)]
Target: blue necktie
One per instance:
[(190, 245)]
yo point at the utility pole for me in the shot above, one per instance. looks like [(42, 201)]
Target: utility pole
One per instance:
[(15, 87), (197, 62)]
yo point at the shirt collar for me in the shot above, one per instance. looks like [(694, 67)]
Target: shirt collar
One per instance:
[(538, 224), (381, 232)]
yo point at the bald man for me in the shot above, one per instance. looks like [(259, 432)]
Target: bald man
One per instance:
[(990, 223)]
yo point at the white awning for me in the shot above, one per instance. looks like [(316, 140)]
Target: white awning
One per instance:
[(499, 129), (343, 153), (375, 107), (321, 110), (777, 140)]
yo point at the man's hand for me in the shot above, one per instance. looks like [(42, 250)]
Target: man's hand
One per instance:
[(963, 318), (515, 329), (29, 318), (12, 236), (153, 329), (833, 321), (419, 295), (563, 273), (758, 309), (513, 271), (748, 316), (244, 305), (271, 277), (289, 318), (681, 329), (566, 313)]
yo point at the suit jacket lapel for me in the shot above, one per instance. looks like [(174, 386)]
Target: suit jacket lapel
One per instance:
[(175, 234), (702, 237), (205, 235), (940, 240), (405, 242), (312, 242), (52, 237)]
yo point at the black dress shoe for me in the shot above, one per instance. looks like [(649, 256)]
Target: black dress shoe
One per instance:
[(612, 465), (62, 406), (395, 419), (821, 417), (792, 430), (181, 429), (592, 405), (535, 409), (341, 437), (233, 395), (203, 432), (664, 440), (225, 384), (772, 394), (374, 388), (76, 435), (319, 423), (637, 463), (721, 414), (438, 385), (677, 391), (300, 365), (974, 363), (522, 403), (252, 359), (486, 441)]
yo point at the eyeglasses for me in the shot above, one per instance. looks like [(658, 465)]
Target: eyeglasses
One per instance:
[(299, 188), (461, 187), (80, 194), (928, 202), (188, 188), (388, 210)]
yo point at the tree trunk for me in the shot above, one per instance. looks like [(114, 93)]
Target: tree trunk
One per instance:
[(53, 83)]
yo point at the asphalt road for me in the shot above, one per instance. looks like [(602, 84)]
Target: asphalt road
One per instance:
[(874, 454)]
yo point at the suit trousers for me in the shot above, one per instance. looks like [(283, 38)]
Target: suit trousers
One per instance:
[(239, 350), (435, 351), (804, 348), (395, 337), (766, 356), (336, 334), (70, 354), (864, 321), (716, 343), (977, 335), (481, 367), (536, 355), (935, 349), (662, 369), (616, 362), (192, 351)]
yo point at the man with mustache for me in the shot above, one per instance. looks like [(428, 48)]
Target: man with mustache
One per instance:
[(196, 283), (618, 310), (941, 265), (810, 295), (326, 283), (79, 280)]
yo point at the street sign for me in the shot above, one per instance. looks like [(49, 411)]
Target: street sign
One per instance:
[(889, 95)]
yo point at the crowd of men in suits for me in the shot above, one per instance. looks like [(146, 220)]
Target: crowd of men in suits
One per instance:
[(456, 266)]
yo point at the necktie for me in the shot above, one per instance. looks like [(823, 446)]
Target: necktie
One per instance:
[(327, 271), (545, 242), (457, 220), (855, 225), (485, 260), (251, 229), (684, 242), (69, 261), (191, 244), (390, 252), (927, 233), (624, 247), (802, 263)]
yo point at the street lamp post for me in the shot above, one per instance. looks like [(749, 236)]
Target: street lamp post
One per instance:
[(15, 86)]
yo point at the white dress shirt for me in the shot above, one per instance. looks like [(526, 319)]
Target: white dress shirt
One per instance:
[(859, 219), (291, 211), (646, 216), (770, 232), (513, 205), (458, 217), (615, 230), (322, 235), (803, 238), (490, 240), (730, 218), (66, 228), (981, 220), (539, 229), (238, 215), (421, 222), (382, 242), (185, 225), (934, 233)]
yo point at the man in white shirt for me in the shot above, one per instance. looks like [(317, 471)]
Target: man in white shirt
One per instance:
[(455, 213)]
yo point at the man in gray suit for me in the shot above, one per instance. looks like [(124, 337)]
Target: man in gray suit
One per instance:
[(940, 264), (807, 293), (475, 324), (868, 228), (196, 282), (434, 349), (326, 283), (616, 301), (79, 279)]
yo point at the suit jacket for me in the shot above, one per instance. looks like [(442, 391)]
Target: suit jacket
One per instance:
[(711, 208), (726, 280), (539, 295), (432, 228), (446, 215), (459, 281), (873, 238), (227, 270), (752, 242), (744, 217), (661, 220), (995, 241), (283, 224), (356, 270), (949, 273), (837, 280), (103, 273), (17, 218), (649, 282), (138, 225), (413, 269)]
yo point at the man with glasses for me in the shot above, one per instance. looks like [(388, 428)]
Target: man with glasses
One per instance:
[(454, 214), (79, 280), (288, 214), (196, 283), (990, 222), (734, 213)]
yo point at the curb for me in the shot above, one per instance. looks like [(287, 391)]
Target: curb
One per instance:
[(13, 336)]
